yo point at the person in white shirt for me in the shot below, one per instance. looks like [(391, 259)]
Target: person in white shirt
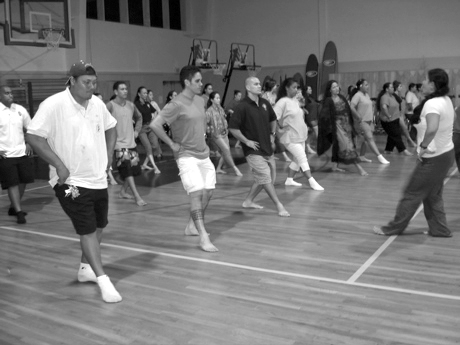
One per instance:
[(412, 102), (74, 132), (434, 119), (16, 167), (363, 113), (293, 132)]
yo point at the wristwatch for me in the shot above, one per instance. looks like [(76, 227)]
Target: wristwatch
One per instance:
[(273, 133), (423, 147)]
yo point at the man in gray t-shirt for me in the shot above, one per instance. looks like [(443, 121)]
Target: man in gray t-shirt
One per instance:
[(187, 119)]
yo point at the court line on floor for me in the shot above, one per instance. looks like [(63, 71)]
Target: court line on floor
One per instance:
[(387, 243), (248, 268), (28, 190)]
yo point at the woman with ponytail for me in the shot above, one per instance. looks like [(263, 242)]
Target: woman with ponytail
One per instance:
[(434, 119), (361, 108)]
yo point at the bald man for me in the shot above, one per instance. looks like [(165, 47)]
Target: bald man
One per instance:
[(253, 123)]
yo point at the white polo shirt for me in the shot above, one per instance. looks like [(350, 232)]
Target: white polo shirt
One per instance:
[(13, 121), (77, 136)]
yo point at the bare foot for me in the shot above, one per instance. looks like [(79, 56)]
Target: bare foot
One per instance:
[(282, 211), (140, 202), (378, 230), (206, 245), (146, 167), (220, 171), (237, 172), (247, 204), (338, 170), (190, 229), (123, 195), (157, 171), (362, 172)]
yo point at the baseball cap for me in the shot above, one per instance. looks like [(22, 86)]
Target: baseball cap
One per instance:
[(80, 68)]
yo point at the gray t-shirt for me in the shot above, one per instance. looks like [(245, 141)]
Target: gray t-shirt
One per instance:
[(187, 119)]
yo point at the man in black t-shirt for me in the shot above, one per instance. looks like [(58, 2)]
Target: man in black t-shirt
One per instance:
[(253, 123)]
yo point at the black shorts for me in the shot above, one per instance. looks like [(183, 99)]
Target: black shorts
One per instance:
[(127, 163), (87, 211), (14, 171)]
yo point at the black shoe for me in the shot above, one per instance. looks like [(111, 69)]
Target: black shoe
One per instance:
[(21, 217), (12, 212)]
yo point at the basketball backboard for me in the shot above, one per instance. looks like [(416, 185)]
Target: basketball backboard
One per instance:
[(23, 21)]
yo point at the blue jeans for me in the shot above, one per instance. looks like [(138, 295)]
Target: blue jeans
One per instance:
[(425, 185)]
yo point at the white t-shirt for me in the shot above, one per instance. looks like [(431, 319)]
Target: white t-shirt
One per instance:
[(363, 105), (291, 121), (442, 141), (77, 136), (13, 121), (413, 99)]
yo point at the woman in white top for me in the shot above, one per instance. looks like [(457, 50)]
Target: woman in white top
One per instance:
[(293, 132), (270, 91), (434, 118), (363, 114), (412, 102)]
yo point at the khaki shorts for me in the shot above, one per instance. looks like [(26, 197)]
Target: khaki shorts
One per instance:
[(263, 168)]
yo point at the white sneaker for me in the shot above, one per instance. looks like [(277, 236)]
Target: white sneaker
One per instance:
[(86, 274), (291, 182), (314, 185), (109, 293), (364, 159), (382, 160)]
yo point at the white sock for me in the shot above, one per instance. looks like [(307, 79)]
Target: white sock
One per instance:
[(86, 274), (290, 182), (382, 159), (109, 293), (314, 185)]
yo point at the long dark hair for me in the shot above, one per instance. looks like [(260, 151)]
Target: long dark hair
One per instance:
[(328, 93), (269, 84), (212, 95), (382, 92), (137, 98), (440, 79), (359, 83), (169, 96), (282, 90)]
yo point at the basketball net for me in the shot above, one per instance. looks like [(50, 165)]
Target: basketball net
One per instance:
[(52, 37), (253, 70), (218, 68)]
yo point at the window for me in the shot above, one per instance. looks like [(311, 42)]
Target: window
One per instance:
[(112, 11), (136, 12), (91, 9), (175, 22), (156, 13)]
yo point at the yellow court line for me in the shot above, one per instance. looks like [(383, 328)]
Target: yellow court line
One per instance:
[(387, 243), (249, 268)]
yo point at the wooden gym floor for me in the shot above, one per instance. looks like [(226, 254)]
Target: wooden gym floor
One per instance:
[(318, 277)]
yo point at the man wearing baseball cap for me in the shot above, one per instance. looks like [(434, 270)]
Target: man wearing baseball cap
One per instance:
[(74, 132)]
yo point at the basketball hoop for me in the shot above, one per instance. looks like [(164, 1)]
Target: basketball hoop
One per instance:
[(253, 70), (52, 37), (218, 68)]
